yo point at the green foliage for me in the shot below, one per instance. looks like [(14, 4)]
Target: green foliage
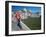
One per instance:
[(22, 10)]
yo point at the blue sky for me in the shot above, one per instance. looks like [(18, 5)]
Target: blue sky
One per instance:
[(32, 8)]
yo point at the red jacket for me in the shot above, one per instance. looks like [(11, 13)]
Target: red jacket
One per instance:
[(17, 15)]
